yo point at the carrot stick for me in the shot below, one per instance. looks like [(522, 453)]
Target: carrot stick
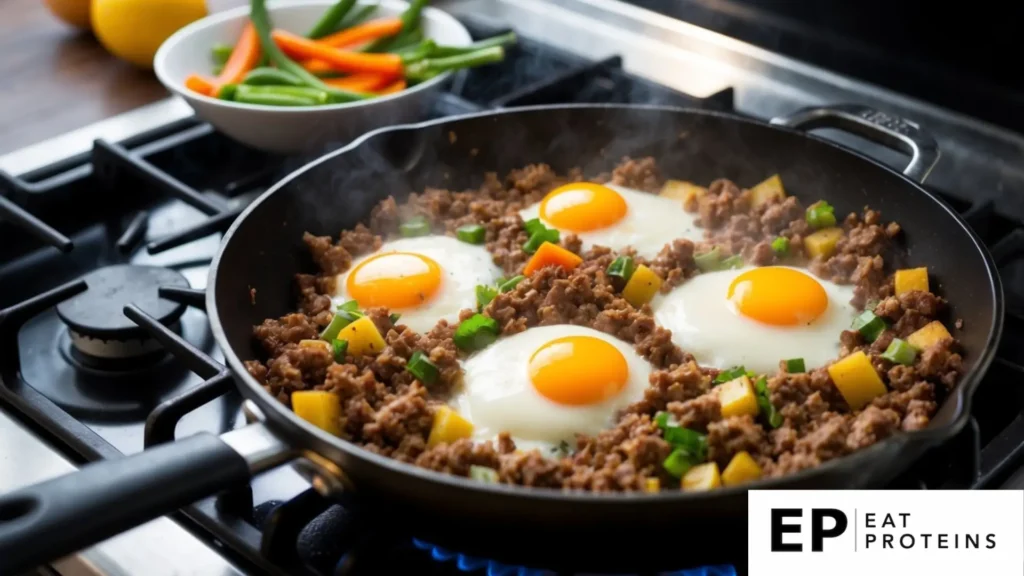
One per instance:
[(396, 86), (551, 255), (360, 82), (314, 66), (363, 33), (342, 61), (243, 58), (200, 84)]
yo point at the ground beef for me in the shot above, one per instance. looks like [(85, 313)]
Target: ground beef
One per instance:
[(388, 411)]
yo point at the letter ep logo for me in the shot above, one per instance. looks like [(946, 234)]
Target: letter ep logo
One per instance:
[(780, 527)]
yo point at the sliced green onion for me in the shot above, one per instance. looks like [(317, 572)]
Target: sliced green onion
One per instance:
[(483, 474), (476, 333), (540, 237), (900, 352), (484, 295), (395, 317), (730, 374), (339, 348), (471, 234), (340, 320), (679, 462), (418, 226), (820, 215), (510, 284), (871, 304), (533, 226), (709, 261), (764, 402), (695, 443), (795, 366), (622, 267), (780, 246), (422, 368), (664, 420), (350, 306), (869, 325), (734, 261)]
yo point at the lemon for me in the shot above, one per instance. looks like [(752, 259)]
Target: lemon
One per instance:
[(73, 12), (133, 29)]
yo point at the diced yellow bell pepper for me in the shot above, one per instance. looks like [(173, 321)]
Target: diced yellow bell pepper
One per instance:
[(315, 344), (688, 192), (742, 468), (737, 398), (448, 427), (652, 485), (320, 408), (932, 333), (702, 477), (642, 286), (856, 380), (823, 242), (767, 190), (911, 279), (363, 337)]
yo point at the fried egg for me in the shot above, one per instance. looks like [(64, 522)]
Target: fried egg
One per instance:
[(546, 384), (754, 317), (424, 279), (615, 217)]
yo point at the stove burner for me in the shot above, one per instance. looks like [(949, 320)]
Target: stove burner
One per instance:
[(472, 564), (96, 319)]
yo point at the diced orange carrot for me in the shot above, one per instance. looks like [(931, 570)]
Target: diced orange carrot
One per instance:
[(314, 66), (396, 86), (359, 82), (298, 47), (243, 58), (200, 84), (551, 255), (363, 33)]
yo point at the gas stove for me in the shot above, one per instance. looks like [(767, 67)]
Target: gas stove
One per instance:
[(105, 348)]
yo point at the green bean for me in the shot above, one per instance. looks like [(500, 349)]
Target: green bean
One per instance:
[(354, 17), (502, 40), (426, 69), (281, 95), (220, 53), (410, 21), (330, 18), (270, 77)]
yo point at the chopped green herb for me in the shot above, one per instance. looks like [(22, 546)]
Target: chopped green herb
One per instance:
[(734, 261), (869, 325), (900, 352), (562, 449), (764, 402), (339, 348), (533, 226), (418, 226), (730, 374), (820, 215), (394, 317), (540, 237), (781, 246), (350, 306), (471, 233), (709, 261), (664, 420), (795, 366), (510, 284), (622, 267), (340, 320), (484, 295), (695, 443), (678, 462), (476, 333), (422, 368), (483, 474)]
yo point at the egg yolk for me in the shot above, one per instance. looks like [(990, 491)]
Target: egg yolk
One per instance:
[(394, 279), (778, 296), (582, 206), (578, 370)]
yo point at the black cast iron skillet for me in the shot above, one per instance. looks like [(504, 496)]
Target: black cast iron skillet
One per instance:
[(584, 531)]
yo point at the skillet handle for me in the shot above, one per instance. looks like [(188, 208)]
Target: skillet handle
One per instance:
[(879, 127), (50, 520)]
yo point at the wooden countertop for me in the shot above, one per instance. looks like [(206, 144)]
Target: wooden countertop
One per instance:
[(56, 79)]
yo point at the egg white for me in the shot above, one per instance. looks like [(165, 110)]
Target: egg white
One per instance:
[(463, 267), (650, 222), (706, 324), (496, 394)]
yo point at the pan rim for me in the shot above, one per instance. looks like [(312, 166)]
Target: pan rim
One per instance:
[(278, 415)]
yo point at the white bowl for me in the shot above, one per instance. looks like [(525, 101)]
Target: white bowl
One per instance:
[(307, 128)]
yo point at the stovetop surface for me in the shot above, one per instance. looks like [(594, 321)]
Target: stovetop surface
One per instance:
[(162, 199)]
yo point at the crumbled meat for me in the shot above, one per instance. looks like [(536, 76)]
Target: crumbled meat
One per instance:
[(674, 263), (698, 413), (642, 174), (728, 437), (274, 335)]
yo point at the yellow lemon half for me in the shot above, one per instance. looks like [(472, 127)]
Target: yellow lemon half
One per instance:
[(72, 12), (133, 29)]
